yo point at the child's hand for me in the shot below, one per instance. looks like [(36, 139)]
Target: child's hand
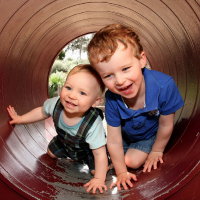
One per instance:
[(95, 184), (152, 160), (16, 119), (124, 179)]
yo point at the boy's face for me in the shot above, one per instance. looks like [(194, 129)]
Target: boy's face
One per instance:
[(122, 74), (79, 93)]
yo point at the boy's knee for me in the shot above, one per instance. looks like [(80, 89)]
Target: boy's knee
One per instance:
[(132, 163), (50, 154)]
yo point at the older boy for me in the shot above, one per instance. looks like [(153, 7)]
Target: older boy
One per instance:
[(140, 103)]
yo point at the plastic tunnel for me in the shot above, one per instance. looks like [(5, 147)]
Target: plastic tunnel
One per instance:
[(33, 32)]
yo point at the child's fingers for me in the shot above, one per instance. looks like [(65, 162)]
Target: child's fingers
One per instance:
[(112, 184), (11, 111), (129, 183), (10, 108), (150, 167), (124, 185), (94, 190), (155, 164), (133, 176), (152, 163), (12, 122), (104, 187), (100, 189), (145, 167), (119, 185), (161, 160), (89, 188), (87, 184)]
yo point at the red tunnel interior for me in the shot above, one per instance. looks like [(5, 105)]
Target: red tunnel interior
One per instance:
[(33, 32)]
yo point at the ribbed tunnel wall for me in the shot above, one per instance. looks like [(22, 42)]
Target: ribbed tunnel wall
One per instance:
[(33, 32)]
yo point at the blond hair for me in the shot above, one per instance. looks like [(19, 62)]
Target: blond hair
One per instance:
[(89, 69)]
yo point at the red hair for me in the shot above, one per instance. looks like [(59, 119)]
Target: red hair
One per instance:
[(105, 42)]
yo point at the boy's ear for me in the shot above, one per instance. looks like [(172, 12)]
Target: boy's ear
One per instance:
[(97, 102), (143, 59)]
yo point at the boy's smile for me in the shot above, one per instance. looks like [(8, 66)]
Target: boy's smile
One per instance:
[(126, 89), (122, 74)]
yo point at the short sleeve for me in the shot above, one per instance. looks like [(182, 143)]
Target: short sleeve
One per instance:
[(96, 135), (111, 110), (49, 105), (170, 99)]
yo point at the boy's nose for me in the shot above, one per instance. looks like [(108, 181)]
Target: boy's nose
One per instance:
[(119, 80)]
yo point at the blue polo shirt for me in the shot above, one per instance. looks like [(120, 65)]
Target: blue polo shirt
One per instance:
[(162, 98)]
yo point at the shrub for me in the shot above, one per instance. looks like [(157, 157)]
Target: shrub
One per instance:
[(58, 65), (69, 59), (56, 80), (74, 63)]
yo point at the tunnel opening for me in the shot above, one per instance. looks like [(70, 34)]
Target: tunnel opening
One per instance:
[(73, 54), (33, 32)]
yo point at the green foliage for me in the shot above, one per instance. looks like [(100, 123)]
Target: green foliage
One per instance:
[(58, 65), (52, 91), (61, 56), (56, 80), (69, 59), (74, 63), (79, 44), (68, 65)]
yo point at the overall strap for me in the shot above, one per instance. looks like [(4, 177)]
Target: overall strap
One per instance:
[(90, 117), (57, 111), (87, 122)]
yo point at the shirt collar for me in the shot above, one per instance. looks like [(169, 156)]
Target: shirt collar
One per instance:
[(151, 97)]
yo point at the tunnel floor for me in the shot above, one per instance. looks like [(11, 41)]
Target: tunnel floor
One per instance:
[(33, 32)]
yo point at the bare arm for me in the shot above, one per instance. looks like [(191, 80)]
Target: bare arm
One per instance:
[(115, 148), (165, 129), (101, 167), (34, 115), (101, 163)]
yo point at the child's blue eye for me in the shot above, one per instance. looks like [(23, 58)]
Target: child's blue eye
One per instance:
[(68, 87), (126, 68), (108, 76), (82, 93)]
